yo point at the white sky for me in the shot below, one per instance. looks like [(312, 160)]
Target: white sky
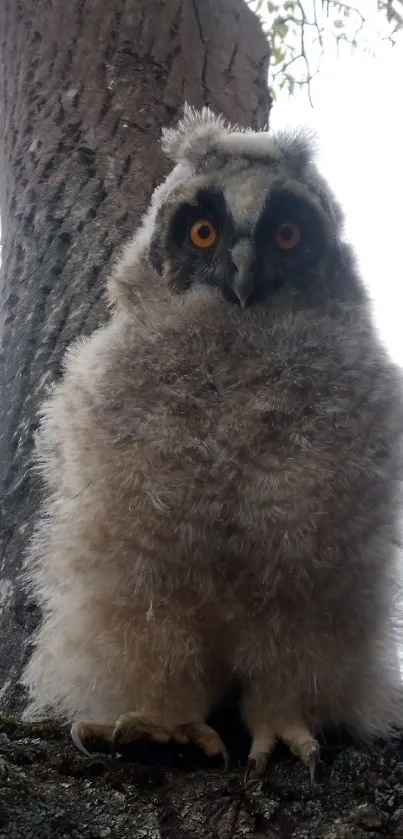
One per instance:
[(358, 114)]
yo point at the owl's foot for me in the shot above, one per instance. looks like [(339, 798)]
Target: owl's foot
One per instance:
[(87, 732), (296, 736), (131, 727), (206, 738)]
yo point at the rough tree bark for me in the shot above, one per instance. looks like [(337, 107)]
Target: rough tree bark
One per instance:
[(85, 86)]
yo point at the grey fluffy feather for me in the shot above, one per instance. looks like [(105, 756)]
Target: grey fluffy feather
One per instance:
[(223, 483)]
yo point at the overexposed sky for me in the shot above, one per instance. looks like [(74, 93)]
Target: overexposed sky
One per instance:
[(358, 114)]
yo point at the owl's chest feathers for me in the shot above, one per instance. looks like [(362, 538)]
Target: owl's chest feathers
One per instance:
[(239, 452), (228, 426)]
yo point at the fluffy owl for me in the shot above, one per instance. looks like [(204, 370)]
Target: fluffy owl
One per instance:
[(222, 464)]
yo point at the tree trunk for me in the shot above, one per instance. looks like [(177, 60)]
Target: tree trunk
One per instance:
[(85, 87)]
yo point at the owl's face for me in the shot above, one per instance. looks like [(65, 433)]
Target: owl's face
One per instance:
[(249, 215)]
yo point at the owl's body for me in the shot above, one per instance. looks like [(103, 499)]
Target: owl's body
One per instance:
[(223, 477)]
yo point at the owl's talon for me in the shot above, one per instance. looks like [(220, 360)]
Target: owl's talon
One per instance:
[(296, 736), (131, 727), (226, 760), (310, 758), (115, 742), (255, 767), (75, 735), (207, 739), (312, 764), (81, 732), (309, 754), (303, 745)]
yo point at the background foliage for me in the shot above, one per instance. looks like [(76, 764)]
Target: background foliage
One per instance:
[(300, 31)]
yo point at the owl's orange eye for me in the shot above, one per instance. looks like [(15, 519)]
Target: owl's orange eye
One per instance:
[(287, 236), (203, 234)]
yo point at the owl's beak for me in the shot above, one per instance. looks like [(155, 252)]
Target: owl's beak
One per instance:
[(242, 282)]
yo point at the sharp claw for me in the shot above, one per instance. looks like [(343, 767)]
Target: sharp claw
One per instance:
[(312, 764), (311, 760), (312, 768), (75, 736), (115, 741), (250, 768), (225, 757), (255, 768)]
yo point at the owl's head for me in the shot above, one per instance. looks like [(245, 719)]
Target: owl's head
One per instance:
[(248, 214)]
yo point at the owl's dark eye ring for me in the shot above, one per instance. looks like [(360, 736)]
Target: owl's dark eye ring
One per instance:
[(287, 236), (203, 234)]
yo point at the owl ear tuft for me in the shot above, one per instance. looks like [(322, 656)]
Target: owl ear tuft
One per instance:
[(298, 147), (195, 136)]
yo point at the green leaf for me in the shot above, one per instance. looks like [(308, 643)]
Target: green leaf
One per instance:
[(277, 54), (281, 30)]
